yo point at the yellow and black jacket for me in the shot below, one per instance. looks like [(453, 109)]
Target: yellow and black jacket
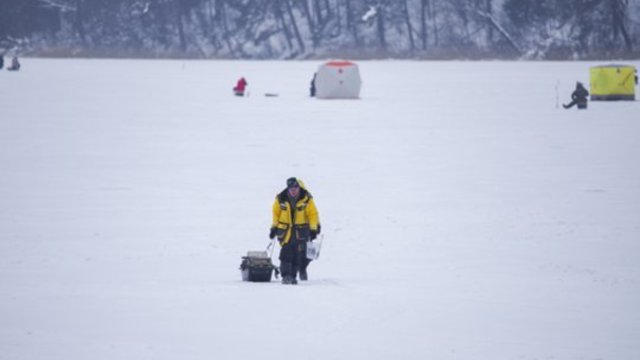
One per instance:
[(302, 219)]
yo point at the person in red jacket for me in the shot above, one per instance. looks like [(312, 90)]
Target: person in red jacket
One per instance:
[(240, 87)]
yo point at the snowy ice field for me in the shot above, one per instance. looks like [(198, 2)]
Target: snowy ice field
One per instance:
[(465, 216)]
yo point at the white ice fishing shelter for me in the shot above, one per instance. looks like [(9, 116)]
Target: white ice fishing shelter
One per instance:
[(338, 80)]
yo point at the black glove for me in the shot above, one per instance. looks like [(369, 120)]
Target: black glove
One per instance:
[(319, 227), (313, 234), (272, 233)]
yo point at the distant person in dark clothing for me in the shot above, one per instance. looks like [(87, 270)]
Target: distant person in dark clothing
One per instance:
[(1, 62), (312, 89), (578, 97), (15, 64), (240, 87)]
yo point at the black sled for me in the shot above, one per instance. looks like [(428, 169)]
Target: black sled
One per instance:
[(257, 267)]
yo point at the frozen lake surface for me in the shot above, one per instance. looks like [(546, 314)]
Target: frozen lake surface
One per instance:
[(464, 215)]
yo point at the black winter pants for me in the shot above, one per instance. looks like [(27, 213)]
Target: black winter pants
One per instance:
[(581, 104), (293, 257)]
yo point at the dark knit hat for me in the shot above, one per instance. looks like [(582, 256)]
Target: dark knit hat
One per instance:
[(292, 182)]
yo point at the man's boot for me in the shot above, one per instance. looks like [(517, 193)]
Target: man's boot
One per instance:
[(285, 271), (288, 273), (303, 268), (294, 274)]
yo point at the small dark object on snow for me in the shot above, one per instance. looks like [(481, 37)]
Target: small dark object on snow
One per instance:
[(257, 267), (15, 64)]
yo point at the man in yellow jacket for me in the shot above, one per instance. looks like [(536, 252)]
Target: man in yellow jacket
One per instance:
[(295, 221)]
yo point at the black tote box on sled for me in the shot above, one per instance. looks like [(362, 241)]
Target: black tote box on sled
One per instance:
[(257, 267)]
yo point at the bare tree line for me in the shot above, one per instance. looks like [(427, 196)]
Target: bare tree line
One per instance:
[(556, 29)]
